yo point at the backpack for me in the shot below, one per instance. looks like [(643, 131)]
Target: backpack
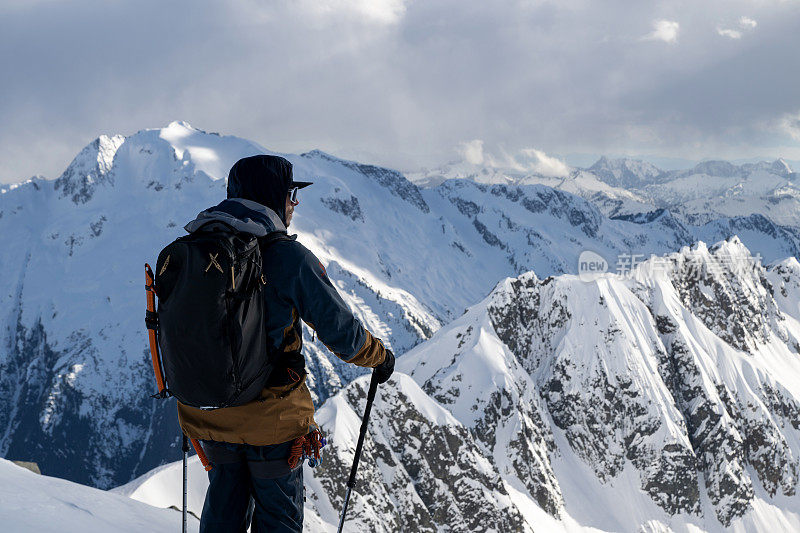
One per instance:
[(211, 327)]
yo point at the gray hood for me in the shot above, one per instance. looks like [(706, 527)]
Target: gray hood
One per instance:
[(243, 215)]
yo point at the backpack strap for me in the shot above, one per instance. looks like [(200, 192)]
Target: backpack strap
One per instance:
[(274, 237)]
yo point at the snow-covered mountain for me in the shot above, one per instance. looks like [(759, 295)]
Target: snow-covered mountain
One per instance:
[(678, 386), (709, 191), (625, 173), (665, 400), (74, 367)]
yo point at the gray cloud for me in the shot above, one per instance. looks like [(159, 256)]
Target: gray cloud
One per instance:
[(402, 83)]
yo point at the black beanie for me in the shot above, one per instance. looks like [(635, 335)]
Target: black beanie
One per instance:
[(265, 179)]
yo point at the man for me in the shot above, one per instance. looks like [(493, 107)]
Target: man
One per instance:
[(249, 445)]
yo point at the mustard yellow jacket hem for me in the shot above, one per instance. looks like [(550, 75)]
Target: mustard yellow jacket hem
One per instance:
[(273, 418)]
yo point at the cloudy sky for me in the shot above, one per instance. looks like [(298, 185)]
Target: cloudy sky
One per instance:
[(404, 83)]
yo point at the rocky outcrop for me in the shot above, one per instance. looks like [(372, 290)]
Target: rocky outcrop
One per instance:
[(92, 167), (421, 470), (348, 207)]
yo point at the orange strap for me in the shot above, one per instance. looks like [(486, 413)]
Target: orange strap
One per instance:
[(201, 454), (150, 288)]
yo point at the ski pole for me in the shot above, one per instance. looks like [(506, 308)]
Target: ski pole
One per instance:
[(373, 387), (185, 448)]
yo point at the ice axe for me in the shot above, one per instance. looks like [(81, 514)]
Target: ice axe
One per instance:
[(373, 387)]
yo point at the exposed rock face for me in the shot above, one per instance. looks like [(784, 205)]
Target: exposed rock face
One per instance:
[(421, 470), (91, 168), (27, 465), (606, 416), (348, 207)]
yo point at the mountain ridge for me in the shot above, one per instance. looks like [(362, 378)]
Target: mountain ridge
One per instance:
[(709, 190)]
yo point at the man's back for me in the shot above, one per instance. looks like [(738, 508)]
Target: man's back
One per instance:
[(297, 287)]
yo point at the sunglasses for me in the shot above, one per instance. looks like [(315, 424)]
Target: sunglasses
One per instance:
[(293, 195)]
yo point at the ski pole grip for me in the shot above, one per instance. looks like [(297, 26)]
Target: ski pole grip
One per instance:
[(373, 387)]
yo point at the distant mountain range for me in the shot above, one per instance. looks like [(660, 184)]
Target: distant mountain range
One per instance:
[(698, 195)]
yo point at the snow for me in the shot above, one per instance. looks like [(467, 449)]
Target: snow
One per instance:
[(210, 153), (163, 486), (35, 503)]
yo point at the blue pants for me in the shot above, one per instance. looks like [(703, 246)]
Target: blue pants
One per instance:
[(252, 485)]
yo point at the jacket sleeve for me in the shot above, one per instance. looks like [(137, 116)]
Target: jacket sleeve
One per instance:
[(322, 308)]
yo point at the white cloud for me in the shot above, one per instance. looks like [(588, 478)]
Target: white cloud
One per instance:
[(664, 30), (790, 123), (541, 163), (528, 160), (744, 24), (382, 11), (733, 34), (472, 151), (747, 22)]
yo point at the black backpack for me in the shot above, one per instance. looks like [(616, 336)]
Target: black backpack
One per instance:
[(211, 317)]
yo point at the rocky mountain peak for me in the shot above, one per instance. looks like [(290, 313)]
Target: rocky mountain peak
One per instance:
[(625, 172), (90, 168), (781, 167)]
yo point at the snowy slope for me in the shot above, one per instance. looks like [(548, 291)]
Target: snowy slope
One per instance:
[(74, 367), (163, 486), (677, 396), (30, 503)]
